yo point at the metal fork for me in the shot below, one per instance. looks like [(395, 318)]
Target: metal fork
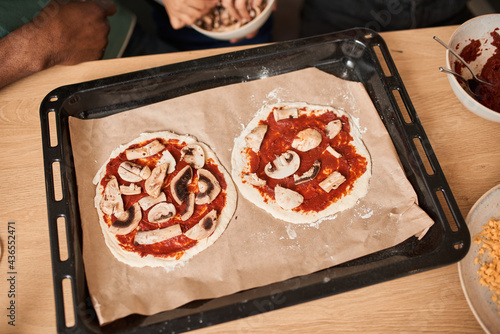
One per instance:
[(471, 85), (463, 61)]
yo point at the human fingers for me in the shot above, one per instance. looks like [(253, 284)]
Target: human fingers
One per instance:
[(202, 5), (241, 8), (76, 31), (188, 16), (199, 8), (249, 36), (182, 13), (256, 3), (97, 12), (108, 6), (228, 5)]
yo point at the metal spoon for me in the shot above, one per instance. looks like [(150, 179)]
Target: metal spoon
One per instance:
[(471, 85), (463, 62)]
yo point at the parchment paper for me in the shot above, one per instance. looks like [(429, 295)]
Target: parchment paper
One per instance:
[(255, 249)]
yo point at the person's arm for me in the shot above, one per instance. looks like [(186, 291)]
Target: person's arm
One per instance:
[(64, 33), (186, 12)]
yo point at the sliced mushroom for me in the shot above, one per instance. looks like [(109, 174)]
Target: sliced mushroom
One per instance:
[(154, 183), (131, 189), (111, 202), (145, 173), (287, 198), (149, 201), (253, 179), (154, 236), (309, 175), (332, 129), (254, 12), (307, 140), (255, 137), (189, 209), (284, 165), (194, 155), (132, 172), (161, 213), (333, 181), (126, 221), (179, 184), (205, 227), (144, 151), (208, 186), (332, 151), (168, 158), (280, 114)]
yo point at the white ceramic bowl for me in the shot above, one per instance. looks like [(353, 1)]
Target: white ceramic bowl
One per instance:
[(478, 28), (478, 296), (243, 31)]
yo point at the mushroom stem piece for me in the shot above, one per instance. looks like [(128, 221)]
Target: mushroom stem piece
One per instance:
[(332, 151), (333, 181), (155, 236)]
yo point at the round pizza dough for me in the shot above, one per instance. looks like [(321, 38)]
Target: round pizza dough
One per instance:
[(241, 165), (135, 259)]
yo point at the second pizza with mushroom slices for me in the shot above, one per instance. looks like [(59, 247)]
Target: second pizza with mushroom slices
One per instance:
[(163, 198), (301, 162)]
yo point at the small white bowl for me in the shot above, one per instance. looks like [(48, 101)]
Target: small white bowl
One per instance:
[(478, 296), (244, 30), (478, 28)]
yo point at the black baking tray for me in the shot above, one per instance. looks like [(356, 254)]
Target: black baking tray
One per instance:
[(358, 55)]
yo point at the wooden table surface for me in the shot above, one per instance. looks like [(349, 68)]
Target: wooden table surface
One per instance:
[(466, 145)]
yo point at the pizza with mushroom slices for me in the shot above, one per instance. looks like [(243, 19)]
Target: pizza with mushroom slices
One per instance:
[(163, 198), (301, 162)]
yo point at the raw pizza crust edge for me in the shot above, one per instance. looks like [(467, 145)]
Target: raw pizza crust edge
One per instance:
[(238, 162), (134, 259)]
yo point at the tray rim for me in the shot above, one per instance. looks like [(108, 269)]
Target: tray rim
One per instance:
[(54, 102)]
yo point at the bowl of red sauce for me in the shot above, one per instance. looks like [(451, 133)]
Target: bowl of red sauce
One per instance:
[(477, 41)]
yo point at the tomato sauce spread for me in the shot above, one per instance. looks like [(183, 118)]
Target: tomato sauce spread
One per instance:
[(279, 138), (173, 247), (489, 95)]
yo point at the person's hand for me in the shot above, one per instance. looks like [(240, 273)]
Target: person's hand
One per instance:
[(186, 12), (74, 31), (64, 33), (238, 8)]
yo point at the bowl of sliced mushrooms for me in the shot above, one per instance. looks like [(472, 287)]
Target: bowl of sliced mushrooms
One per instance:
[(220, 24)]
